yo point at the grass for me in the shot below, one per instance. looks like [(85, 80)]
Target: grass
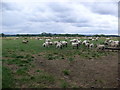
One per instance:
[(71, 59), (64, 84), (50, 57), (21, 55), (35, 47), (18, 62), (38, 70), (7, 78), (98, 81), (45, 78), (75, 87), (66, 72), (22, 71)]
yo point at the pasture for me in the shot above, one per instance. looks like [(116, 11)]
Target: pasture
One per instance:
[(33, 66)]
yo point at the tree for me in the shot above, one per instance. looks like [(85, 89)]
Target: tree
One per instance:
[(2, 34), (18, 35)]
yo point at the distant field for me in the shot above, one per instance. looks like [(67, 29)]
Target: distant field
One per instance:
[(34, 66)]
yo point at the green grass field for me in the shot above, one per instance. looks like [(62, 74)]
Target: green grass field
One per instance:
[(19, 69)]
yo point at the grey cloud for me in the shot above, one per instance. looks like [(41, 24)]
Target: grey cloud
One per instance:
[(12, 18), (58, 7), (119, 9), (103, 8), (9, 6), (54, 17), (59, 12), (82, 25), (6, 6)]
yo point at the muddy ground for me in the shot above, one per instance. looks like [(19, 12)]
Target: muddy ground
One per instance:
[(85, 73)]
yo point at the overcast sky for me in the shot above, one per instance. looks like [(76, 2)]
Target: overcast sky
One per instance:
[(60, 17)]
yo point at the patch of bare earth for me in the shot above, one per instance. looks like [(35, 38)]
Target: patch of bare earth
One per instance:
[(86, 73)]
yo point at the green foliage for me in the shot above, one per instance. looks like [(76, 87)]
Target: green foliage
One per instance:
[(2, 35), (44, 34)]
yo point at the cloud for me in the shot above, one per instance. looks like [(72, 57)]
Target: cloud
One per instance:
[(60, 17), (103, 8)]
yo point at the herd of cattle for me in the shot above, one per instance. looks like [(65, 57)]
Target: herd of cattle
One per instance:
[(76, 43)]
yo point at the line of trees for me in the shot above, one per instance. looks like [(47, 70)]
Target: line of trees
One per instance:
[(53, 35)]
